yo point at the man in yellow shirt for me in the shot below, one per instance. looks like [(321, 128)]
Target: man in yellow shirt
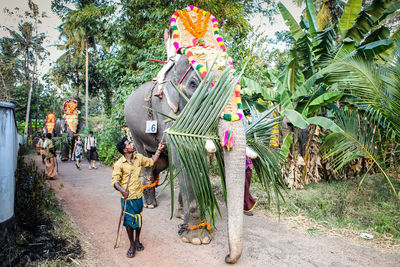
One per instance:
[(128, 169)]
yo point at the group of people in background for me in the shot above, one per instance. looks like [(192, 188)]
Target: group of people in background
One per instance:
[(45, 147)]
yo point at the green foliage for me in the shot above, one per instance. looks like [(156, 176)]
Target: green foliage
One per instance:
[(356, 140), (258, 131), (294, 27), (197, 122), (32, 195), (351, 11), (107, 141), (339, 204), (39, 216)]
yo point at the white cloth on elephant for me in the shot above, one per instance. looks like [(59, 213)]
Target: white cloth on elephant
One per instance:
[(163, 72)]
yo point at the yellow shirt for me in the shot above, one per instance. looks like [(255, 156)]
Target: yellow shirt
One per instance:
[(123, 168), (49, 145), (40, 143)]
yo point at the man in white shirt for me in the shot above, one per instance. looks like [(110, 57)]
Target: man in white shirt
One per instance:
[(91, 150)]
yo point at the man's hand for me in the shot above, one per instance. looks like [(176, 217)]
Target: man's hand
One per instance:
[(125, 193), (158, 152), (161, 146)]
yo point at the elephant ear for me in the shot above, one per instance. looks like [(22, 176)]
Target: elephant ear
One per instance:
[(174, 75)]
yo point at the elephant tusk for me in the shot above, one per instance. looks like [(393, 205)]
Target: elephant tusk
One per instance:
[(250, 153), (210, 146)]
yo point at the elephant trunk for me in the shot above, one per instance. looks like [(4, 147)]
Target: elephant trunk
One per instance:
[(235, 161)]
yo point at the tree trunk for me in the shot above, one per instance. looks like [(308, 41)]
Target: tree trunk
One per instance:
[(29, 84), (87, 83)]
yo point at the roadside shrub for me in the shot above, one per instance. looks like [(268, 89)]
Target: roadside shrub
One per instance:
[(107, 141), (32, 195)]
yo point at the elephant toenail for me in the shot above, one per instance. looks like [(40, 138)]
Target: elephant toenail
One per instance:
[(196, 241), (205, 240), (185, 239)]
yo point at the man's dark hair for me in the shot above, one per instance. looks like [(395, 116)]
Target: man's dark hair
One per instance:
[(90, 132), (121, 145), (48, 135)]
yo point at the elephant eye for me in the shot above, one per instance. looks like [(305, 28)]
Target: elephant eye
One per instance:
[(193, 84)]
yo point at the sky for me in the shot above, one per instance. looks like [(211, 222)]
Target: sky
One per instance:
[(49, 25)]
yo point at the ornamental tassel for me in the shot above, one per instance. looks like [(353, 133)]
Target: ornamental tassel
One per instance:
[(227, 140)]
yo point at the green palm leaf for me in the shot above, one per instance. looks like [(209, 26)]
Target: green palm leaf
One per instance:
[(376, 85), (258, 131), (196, 123), (359, 138)]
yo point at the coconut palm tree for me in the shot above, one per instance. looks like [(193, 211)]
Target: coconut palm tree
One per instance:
[(29, 45), (80, 27)]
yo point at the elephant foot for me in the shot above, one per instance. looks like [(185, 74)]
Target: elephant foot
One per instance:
[(180, 213), (197, 236), (150, 201)]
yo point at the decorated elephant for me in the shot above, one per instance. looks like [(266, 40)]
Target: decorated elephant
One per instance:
[(139, 114), (67, 143)]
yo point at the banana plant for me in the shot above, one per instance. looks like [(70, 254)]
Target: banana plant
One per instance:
[(302, 90)]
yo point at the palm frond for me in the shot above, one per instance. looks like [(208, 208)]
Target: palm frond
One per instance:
[(198, 122), (375, 85), (359, 138), (258, 129)]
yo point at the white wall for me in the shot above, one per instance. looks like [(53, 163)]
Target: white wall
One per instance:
[(8, 160)]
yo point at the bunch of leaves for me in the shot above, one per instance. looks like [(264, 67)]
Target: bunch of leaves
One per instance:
[(361, 136), (198, 122), (258, 129)]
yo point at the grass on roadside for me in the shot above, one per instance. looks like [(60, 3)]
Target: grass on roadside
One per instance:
[(337, 204), (45, 235)]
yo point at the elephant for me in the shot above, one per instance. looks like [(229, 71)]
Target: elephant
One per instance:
[(138, 110), (62, 128)]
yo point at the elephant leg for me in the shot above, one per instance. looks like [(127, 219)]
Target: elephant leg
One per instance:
[(149, 194), (179, 212), (235, 161), (190, 214), (149, 177)]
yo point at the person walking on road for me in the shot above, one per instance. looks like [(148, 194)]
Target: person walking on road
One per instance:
[(42, 150), (126, 179), (78, 151), (91, 150), (50, 169)]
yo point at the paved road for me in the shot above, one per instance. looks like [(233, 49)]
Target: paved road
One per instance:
[(94, 206)]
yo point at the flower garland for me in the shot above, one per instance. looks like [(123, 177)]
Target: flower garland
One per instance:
[(175, 31), (196, 30), (71, 114), (204, 224), (227, 140), (203, 72), (70, 106), (151, 185)]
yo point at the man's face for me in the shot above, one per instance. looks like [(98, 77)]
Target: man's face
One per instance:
[(129, 147)]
